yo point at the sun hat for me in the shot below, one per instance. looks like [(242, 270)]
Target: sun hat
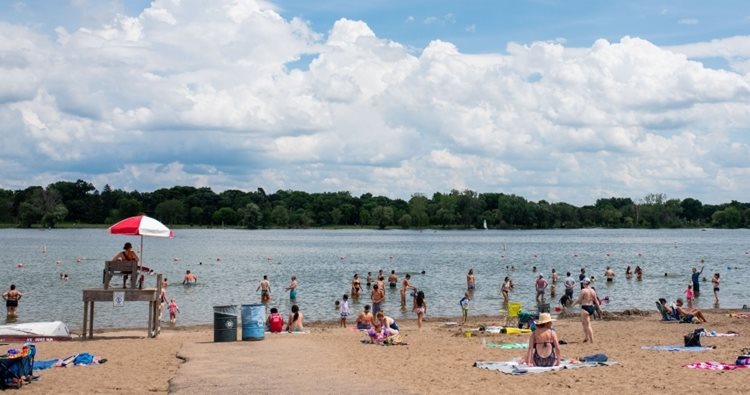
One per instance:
[(544, 318)]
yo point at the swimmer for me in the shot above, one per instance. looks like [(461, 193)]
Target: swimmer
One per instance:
[(356, 286), (292, 288), (393, 279), (609, 274), (189, 278), (265, 289), (470, 280), (369, 279), (405, 286)]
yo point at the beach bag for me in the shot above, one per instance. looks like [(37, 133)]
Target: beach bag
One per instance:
[(743, 360), (693, 339)]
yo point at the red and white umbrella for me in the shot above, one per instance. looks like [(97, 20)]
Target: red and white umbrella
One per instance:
[(140, 225)]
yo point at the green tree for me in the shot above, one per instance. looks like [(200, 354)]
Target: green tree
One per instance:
[(171, 211), (280, 215), (250, 215), (729, 217), (128, 207), (225, 216), (405, 221)]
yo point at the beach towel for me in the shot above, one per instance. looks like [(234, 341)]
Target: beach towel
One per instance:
[(715, 334), (46, 364), (712, 365), (515, 368), (506, 346), (675, 348)]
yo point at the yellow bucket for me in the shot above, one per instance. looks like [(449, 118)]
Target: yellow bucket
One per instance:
[(467, 334), (513, 309)]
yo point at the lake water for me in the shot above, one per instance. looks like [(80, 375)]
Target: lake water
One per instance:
[(234, 261)]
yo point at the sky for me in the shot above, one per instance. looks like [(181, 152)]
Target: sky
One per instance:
[(565, 101)]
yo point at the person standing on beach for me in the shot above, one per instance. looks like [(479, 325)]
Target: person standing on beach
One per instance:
[(377, 296), (590, 304), (405, 286), (12, 296), (292, 288), (470, 280), (696, 277), (344, 310), (464, 302), (420, 307), (265, 289)]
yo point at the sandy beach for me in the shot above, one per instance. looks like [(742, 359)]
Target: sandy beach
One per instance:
[(438, 359)]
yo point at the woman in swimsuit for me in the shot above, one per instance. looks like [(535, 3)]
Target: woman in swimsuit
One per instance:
[(405, 285), (356, 286), (12, 296), (369, 279), (715, 281), (544, 347), (628, 273), (127, 254), (295, 320), (506, 289)]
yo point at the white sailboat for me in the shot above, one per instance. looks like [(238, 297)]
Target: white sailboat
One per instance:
[(485, 224)]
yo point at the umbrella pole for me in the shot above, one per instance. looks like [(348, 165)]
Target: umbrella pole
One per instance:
[(140, 262)]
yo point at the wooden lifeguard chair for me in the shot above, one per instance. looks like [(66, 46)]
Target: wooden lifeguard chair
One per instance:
[(120, 268), (132, 294)]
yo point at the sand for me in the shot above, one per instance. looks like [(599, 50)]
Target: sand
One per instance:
[(437, 359)]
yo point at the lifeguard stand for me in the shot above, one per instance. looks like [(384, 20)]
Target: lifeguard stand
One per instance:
[(132, 294)]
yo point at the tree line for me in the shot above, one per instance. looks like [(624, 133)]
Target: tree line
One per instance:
[(80, 202)]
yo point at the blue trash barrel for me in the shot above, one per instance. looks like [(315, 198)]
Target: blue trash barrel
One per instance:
[(225, 323), (253, 321)]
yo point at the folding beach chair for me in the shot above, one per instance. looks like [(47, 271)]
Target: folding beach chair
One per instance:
[(13, 371), (665, 316)]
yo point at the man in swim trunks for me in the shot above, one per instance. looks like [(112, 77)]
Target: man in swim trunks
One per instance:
[(12, 296), (570, 284), (590, 304), (292, 288), (405, 285), (189, 278), (364, 318), (377, 296), (609, 274), (265, 289), (393, 279)]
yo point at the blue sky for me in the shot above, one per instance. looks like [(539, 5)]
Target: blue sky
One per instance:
[(556, 100)]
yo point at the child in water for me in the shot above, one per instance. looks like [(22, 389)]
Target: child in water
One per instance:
[(689, 295), (173, 310)]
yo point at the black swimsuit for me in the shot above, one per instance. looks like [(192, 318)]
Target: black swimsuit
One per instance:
[(546, 361)]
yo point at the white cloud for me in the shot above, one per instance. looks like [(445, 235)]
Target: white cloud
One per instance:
[(198, 93), (447, 19)]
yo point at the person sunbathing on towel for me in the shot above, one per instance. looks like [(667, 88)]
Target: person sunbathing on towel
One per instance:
[(379, 334), (686, 314), (544, 347)]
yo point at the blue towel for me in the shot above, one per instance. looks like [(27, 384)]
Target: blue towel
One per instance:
[(83, 358), (675, 348), (41, 365), (595, 358)]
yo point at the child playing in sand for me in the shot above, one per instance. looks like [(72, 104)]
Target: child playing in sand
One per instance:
[(275, 321), (344, 310), (464, 302), (689, 295), (173, 310)]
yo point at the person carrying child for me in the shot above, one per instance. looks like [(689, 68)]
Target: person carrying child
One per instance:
[(464, 302)]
